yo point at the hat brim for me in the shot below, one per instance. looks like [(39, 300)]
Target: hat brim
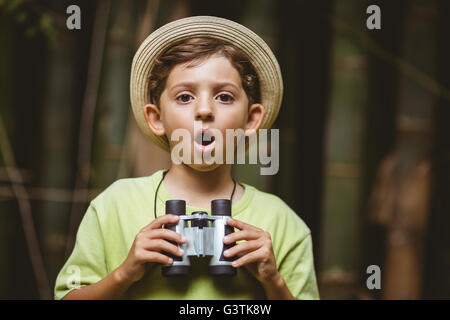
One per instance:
[(258, 52)]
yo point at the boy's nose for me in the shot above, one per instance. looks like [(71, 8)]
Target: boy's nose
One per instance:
[(204, 111)]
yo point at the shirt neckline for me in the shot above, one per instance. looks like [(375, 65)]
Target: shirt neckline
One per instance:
[(164, 195)]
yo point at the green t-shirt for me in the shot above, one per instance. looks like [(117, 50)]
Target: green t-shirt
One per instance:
[(115, 217)]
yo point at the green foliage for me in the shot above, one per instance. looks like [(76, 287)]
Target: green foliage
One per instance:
[(47, 26), (10, 5), (34, 20)]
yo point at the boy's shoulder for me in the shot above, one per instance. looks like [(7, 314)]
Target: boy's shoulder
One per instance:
[(129, 184), (279, 210), (125, 189), (269, 200)]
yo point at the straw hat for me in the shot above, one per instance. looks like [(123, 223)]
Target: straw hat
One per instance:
[(258, 52)]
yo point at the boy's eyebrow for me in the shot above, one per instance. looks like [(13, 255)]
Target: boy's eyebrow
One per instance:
[(193, 85)]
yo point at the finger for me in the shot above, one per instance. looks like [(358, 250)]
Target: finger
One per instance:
[(241, 225), (251, 257), (242, 248), (162, 220), (165, 234), (153, 256), (241, 235), (163, 245), (143, 241)]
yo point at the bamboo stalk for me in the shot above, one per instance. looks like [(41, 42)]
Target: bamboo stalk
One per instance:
[(399, 63), (15, 176), (127, 157), (25, 175), (87, 118)]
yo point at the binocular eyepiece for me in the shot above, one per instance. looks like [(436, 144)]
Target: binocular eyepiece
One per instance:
[(204, 235)]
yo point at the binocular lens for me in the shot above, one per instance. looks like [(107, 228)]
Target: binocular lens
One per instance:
[(221, 207), (222, 270), (175, 271), (177, 207)]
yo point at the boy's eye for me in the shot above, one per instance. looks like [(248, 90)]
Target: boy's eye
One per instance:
[(225, 97), (184, 97)]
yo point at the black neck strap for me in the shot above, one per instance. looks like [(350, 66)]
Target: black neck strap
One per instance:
[(164, 174)]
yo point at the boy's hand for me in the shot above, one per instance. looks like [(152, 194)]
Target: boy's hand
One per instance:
[(147, 247), (255, 253)]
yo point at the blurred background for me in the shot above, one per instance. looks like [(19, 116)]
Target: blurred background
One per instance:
[(364, 132)]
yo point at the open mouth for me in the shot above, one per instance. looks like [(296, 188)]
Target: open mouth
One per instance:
[(204, 141), (204, 138)]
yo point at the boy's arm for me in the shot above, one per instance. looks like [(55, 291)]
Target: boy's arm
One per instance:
[(112, 287), (146, 248), (276, 289)]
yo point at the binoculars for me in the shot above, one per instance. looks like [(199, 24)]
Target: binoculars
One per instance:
[(204, 235)]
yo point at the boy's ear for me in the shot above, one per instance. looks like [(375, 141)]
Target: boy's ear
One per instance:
[(153, 117), (256, 114)]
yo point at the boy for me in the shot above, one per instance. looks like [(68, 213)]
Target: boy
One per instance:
[(217, 73)]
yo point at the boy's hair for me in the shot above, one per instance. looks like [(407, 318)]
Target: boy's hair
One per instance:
[(196, 50)]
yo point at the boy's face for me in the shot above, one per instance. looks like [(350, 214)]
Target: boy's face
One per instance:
[(210, 92)]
